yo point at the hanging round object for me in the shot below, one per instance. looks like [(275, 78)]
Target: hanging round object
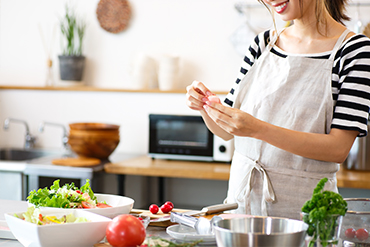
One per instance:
[(113, 15)]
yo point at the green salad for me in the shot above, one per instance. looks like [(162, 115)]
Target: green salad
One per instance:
[(33, 215), (66, 196)]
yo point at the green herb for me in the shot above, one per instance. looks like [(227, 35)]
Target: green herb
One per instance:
[(319, 212), (73, 30), (160, 242)]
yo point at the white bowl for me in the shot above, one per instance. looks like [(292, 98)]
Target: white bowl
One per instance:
[(59, 235), (120, 205)]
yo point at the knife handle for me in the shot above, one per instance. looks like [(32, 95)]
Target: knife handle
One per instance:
[(183, 219), (220, 208)]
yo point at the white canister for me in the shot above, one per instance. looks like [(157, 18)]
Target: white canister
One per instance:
[(168, 72), (144, 72)]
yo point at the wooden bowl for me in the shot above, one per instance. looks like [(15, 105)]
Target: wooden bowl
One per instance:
[(93, 126), (94, 133), (93, 142)]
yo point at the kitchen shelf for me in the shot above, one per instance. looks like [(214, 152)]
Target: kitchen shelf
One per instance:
[(95, 89)]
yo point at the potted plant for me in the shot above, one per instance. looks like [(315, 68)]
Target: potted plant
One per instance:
[(71, 62)]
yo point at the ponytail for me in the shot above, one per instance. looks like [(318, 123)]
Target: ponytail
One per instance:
[(336, 9)]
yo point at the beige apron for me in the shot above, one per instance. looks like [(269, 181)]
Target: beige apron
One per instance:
[(294, 93)]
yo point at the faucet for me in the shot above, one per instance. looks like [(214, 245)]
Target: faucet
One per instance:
[(65, 133), (29, 139)]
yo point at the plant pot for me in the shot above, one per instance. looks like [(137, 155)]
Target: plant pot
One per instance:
[(71, 67)]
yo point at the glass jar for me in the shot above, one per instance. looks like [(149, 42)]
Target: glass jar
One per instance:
[(326, 231)]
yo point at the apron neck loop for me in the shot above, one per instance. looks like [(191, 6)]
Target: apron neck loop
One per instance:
[(338, 44)]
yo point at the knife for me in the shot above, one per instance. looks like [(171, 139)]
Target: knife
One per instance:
[(212, 209)]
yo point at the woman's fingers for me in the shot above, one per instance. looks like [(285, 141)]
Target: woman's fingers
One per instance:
[(233, 121), (196, 95)]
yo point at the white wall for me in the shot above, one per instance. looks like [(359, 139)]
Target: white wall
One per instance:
[(196, 30)]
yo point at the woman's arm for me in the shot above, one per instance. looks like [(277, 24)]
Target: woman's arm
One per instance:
[(332, 147)]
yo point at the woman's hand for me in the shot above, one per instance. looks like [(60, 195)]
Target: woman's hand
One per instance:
[(233, 121), (196, 95)]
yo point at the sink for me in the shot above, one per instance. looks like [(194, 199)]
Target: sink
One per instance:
[(14, 154)]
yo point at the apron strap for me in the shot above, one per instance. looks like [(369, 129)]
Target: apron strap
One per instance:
[(339, 44), (243, 192)]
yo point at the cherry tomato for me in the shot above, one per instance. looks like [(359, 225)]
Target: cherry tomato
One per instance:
[(350, 233), (86, 205), (153, 208), (362, 234), (166, 208), (125, 230), (102, 205), (214, 98), (169, 203)]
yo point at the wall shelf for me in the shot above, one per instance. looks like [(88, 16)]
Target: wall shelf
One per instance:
[(95, 89)]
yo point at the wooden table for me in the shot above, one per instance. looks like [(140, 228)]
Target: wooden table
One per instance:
[(146, 166)]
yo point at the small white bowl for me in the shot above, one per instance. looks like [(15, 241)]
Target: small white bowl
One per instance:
[(59, 235), (120, 205)]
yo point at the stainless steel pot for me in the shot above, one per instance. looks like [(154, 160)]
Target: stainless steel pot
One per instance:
[(260, 232), (359, 155)]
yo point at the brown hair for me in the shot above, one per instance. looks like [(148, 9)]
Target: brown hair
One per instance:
[(336, 9)]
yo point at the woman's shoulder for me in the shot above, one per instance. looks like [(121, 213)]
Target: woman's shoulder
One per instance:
[(354, 45), (260, 42)]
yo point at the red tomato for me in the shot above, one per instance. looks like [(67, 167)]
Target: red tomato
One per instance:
[(102, 205), (166, 208), (125, 231), (350, 233), (86, 205), (169, 203), (153, 208), (362, 234)]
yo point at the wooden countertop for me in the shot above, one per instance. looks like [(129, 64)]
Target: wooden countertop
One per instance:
[(353, 179), (146, 166)]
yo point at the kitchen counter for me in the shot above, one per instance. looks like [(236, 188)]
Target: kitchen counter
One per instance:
[(146, 166), (7, 206)]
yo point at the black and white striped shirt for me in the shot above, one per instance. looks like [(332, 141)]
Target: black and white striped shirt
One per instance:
[(350, 79)]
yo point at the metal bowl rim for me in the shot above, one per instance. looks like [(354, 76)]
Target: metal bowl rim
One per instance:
[(357, 200), (218, 228)]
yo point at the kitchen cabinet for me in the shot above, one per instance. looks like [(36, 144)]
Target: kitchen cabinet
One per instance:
[(12, 184), (12, 180)]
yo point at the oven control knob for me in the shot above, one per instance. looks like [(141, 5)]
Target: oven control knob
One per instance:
[(222, 149)]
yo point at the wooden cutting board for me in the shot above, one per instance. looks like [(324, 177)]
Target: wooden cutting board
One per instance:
[(158, 215), (76, 162)]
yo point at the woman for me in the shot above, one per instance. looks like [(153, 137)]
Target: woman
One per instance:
[(300, 101)]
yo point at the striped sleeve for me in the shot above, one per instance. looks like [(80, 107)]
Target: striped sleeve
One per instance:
[(351, 85), (254, 52)]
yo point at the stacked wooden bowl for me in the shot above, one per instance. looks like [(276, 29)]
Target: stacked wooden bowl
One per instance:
[(96, 140)]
